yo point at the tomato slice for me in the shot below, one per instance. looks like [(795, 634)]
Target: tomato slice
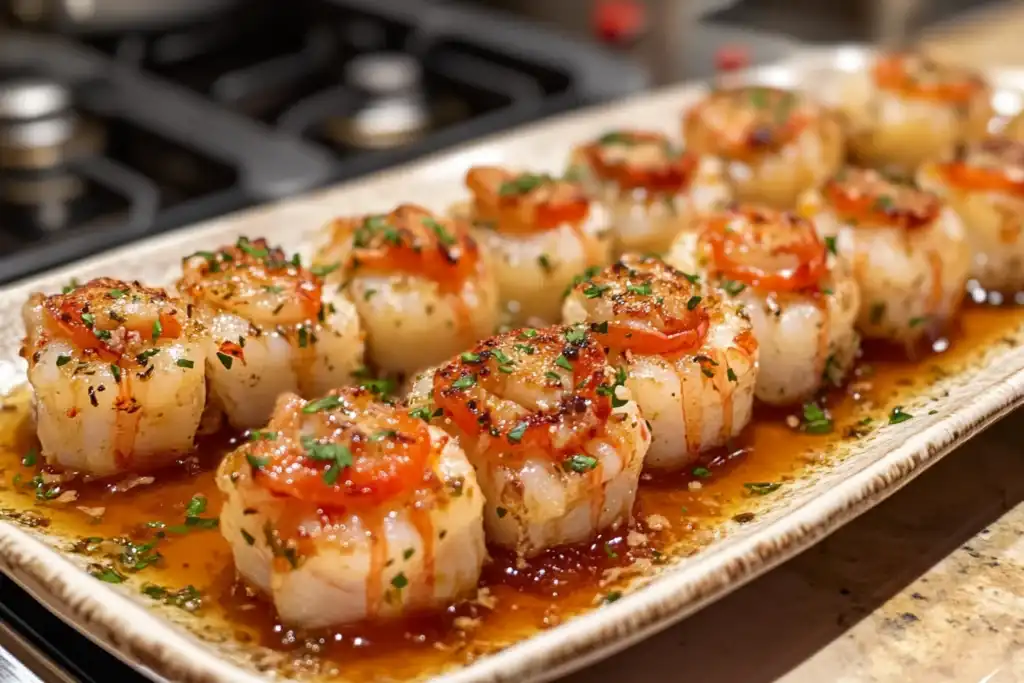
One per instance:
[(526, 202), (412, 240), (635, 159), (352, 453), (866, 197), (471, 390), (82, 316), (920, 77), (765, 249)]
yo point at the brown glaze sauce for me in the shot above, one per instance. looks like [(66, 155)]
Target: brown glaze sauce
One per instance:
[(675, 518)]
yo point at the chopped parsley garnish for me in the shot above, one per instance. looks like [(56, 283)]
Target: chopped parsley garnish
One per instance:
[(144, 357), (338, 456), (89, 319), (470, 357), (326, 403), (116, 293), (196, 506), (515, 435), (615, 138), (256, 462), (884, 203), (732, 288), (501, 512), (399, 581), (594, 291), (830, 244), (579, 463), (225, 360), (71, 286), (919, 320), (759, 98), (106, 573), (642, 290), (553, 376), (262, 435), (576, 334), (246, 246), (693, 302), (816, 421), (116, 372), (609, 390), (185, 363), (701, 472), (730, 375), (158, 329), (544, 261), (322, 270), (563, 362), (248, 537), (63, 360), (383, 434), (612, 596), (30, 458), (897, 415), (445, 237), (464, 382), (522, 184), (526, 348), (102, 334), (610, 551), (762, 488), (527, 333), (423, 413), (693, 278)]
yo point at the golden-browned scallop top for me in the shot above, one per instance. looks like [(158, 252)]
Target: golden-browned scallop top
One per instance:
[(637, 159), (994, 164), (525, 203), (866, 197), (920, 77)]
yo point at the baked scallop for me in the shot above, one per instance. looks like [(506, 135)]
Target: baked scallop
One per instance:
[(275, 328), (802, 303), (650, 188), (985, 187), (345, 509), (908, 109), (118, 374), (774, 143), (423, 287), (688, 351), (907, 250), (556, 440), (539, 231)]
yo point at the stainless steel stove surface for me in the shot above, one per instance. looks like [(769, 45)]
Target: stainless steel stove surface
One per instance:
[(108, 134)]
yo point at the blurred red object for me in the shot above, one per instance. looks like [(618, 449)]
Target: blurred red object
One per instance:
[(619, 21), (732, 58)]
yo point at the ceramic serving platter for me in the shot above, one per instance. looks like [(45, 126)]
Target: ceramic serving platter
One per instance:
[(855, 476)]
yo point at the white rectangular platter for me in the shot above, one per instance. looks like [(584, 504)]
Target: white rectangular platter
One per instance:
[(839, 484)]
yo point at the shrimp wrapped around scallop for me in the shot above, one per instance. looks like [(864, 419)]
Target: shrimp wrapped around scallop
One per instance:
[(774, 143), (118, 374), (908, 252), (650, 188), (273, 328), (986, 189), (423, 287), (907, 109), (690, 355), (540, 231), (345, 508), (556, 440), (802, 303)]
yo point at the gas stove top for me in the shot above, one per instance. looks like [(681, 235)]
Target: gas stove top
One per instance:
[(105, 139)]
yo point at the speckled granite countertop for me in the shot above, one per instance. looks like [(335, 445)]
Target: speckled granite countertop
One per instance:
[(928, 586)]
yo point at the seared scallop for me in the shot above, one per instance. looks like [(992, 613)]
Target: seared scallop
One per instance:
[(423, 287), (118, 374), (344, 508), (689, 353), (908, 109), (650, 188), (540, 231), (986, 189), (556, 440), (274, 329), (907, 250), (802, 303), (774, 143)]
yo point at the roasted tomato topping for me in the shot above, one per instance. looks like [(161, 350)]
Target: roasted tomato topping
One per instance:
[(646, 306), (111, 319), (641, 160), (920, 77), (866, 197), (995, 164), (255, 281), (345, 450), (742, 123), (530, 391), (410, 240), (525, 202), (765, 249)]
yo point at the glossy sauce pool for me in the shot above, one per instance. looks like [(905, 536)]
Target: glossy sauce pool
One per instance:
[(676, 516)]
